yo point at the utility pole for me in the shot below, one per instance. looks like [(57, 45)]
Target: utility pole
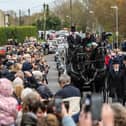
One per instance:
[(46, 8), (15, 19), (29, 15), (20, 17), (117, 24), (117, 27), (44, 27), (29, 12)]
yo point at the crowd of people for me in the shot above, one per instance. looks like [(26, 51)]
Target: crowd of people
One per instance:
[(22, 70), (26, 100)]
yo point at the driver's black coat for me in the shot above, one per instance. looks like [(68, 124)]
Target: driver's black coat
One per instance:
[(73, 41)]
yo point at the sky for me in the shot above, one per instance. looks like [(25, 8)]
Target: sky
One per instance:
[(34, 5)]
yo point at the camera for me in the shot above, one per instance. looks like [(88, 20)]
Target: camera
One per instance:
[(93, 103)]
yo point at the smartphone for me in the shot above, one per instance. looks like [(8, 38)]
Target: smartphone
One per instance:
[(93, 103), (67, 105), (58, 104), (87, 103), (96, 107)]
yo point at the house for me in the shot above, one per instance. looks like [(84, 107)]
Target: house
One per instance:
[(2, 18)]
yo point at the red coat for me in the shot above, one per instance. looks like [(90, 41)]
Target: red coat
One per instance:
[(107, 59)]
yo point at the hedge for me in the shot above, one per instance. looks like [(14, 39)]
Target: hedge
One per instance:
[(19, 33)]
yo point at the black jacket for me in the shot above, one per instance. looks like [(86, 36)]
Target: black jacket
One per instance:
[(116, 83), (86, 41), (44, 91), (8, 74), (73, 41)]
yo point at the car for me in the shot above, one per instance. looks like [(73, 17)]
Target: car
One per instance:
[(3, 51), (52, 46)]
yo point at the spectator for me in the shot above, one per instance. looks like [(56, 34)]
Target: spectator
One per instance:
[(115, 82), (8, 72), (20, 75), (66, 118), (69, 93), (8, 104), (107, 60), (30, 80), (49, 120), (113, 115), (85, 119), (40, 110), (26, 66), (17, 81), (42, 89), (18, 88), (24, 94), (29, 117)]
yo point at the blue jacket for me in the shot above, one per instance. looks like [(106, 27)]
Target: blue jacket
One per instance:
[(68, 121), (68, 91)]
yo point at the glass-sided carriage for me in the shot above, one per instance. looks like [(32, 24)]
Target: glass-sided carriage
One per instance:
[(86, 67)]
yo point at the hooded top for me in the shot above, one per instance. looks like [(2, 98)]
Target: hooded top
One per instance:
[(7, 103), (6, 88)]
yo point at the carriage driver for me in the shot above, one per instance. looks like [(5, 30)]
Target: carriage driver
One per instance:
[(88, 40), (73, 39)]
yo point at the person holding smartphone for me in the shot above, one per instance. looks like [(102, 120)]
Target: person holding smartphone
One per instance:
[(70, 94)]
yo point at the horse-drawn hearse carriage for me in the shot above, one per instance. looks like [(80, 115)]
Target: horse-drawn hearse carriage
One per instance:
[(86, 67)]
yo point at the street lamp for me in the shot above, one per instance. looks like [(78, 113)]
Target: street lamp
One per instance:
[(91, 12), (117, 24), (94, 22), (71, 9), (68, 20)]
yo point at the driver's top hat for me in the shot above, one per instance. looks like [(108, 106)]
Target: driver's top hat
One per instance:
[(73, 28)]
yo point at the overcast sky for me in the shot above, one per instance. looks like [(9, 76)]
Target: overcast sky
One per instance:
[(35, 5)]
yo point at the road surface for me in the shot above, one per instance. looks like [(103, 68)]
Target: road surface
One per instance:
[(53, 74)]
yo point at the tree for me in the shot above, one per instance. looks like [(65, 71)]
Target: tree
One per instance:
[(52, 22), (78, 14), (106, 15)]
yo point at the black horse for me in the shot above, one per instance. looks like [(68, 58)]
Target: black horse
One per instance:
[(87, 69), (98, 60)]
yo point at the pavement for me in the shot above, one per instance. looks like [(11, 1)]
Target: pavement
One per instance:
[(53, 74)]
